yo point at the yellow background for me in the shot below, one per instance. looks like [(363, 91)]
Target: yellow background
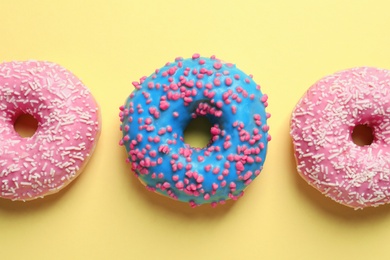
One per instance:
[(107, 214)]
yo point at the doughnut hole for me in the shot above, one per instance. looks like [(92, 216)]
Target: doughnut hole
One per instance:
[(197, 133), (26, 125), (362, 135)]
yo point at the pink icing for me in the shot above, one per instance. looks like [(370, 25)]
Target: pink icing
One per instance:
[(68, 128), (321, 128)]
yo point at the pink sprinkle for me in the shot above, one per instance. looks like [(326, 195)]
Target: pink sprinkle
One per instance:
[(136, 84), (190, 83), (250, 160), (200, 158), (226, 165), (150, 85), (208, 85), (195, 56), (228, 81), (161, 131), (215, 130), (179, 185), (247, 175), (225, 95), (207, 167), (239, 166), (148, 121), (198, 84), (215, 186), (234, 109), (175, 177), (163, 149), (217, 65), (200, 179), (206, 196), (217, 82), (164, 105), (172, 71), (180, 165)]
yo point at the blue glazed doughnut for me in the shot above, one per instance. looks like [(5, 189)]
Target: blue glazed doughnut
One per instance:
[(156, 113)]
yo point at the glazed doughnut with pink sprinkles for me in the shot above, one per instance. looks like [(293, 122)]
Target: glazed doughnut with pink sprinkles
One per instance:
[(155, 115)]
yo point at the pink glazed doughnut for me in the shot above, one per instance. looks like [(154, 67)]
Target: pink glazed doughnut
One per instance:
[(321, 128), (68, 129)]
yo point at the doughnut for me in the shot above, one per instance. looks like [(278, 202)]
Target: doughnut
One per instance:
[(322, 125), (156, 113), (68, 129)]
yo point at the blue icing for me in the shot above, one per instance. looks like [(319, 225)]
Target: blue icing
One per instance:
[(157, 112)]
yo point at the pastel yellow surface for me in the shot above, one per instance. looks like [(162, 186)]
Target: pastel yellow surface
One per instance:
[(107, 214)]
